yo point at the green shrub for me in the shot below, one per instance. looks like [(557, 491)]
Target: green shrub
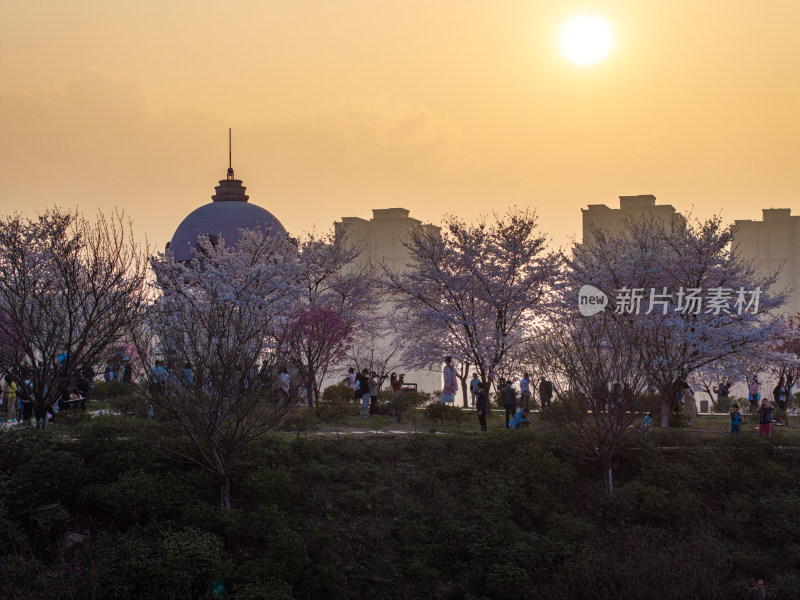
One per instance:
[(196, 554), (48, 477), (129, 404), (51, 519), (299, 421), (508, 581), (111, 389), (678, 420), (723, 404), (12, 537), (138, 496), (152, 563), (70, 418), (31, 579), (335, 412), (563, 407), (337, 393), (156, 564), (281, 548), (647, 503), (474, 517), (435, 411), (106, 444), (272, 588), (272, 486), (445, 413), (405, 401)]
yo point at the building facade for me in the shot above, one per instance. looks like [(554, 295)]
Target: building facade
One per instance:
[(612, 220), (382, 237), (774, 243), (382, 240)]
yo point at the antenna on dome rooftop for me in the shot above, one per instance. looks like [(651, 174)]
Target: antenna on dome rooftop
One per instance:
[(230, 160)]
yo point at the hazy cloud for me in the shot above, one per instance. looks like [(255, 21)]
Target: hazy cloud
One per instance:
[(99, 142)]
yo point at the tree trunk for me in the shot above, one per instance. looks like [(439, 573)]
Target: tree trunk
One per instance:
[(665, 414), (610, 479), (40, 416), (310, 393), (225, 493)]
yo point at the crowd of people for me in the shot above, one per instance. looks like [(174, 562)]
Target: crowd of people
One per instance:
[(517, 404), (516, 410), (365, 386), (17, 396)]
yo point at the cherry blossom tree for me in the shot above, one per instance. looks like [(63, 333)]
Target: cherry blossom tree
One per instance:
[(709, 377), (786, 360), (316, 338), (479, 287), (219, 324), (427, 346), (10, 353), (728, 371), (69, 290), (330, 279), (693, 299), (379, 347), (585, 358)]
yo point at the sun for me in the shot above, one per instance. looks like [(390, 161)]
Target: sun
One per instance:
[(586, 39)]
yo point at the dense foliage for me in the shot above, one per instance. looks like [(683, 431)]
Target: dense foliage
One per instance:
[(93, 514)]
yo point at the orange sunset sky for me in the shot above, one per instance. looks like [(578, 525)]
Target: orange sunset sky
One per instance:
[(438, 106)]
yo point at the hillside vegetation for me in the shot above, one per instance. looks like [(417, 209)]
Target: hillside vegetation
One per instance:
[(88, 512)]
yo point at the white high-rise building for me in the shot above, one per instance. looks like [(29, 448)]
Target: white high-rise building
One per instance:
[(612, 220), (774, 243), (382, 240)]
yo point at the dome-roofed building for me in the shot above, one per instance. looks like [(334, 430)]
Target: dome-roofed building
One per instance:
[(224, 217)]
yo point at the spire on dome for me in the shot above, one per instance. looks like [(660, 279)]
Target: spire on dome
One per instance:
[(230, 189), (230, 154)]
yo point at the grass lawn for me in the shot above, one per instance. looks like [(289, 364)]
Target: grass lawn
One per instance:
[(706, 427)]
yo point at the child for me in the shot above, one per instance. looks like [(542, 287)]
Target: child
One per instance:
[(736, 420), (764, 418)]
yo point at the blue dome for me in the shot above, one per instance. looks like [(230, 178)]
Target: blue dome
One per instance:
[(222, 218)]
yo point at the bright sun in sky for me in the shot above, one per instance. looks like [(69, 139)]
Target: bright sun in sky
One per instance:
[(586, 39)]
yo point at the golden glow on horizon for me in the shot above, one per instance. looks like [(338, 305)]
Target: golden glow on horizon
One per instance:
[(445, 107), (586, 39)]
